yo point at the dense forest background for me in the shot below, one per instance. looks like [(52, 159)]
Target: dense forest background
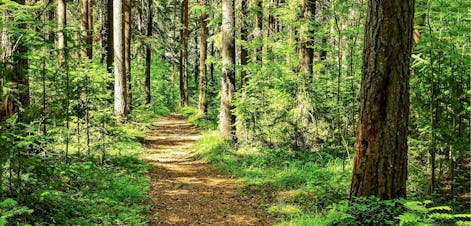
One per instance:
[(81, 81)]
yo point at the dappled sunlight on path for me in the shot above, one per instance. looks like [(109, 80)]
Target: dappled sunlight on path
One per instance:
[(188, 191)]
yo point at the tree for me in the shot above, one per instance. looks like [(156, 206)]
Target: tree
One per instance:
[(184, 55), (14, 61), (244, 55), (109, 36), (202, 103), (226, 117), (148, 53), (306, 43), (127, 52), (120, 88), (380, 163)]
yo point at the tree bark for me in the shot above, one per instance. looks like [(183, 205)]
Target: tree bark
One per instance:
[(120, 90), (306, 42), (380, 163), (127, 52), (148, 53), (15, 64), (202, 102), (244, 55), (61, 22), (84, 27), (184, 55), (90, 29), (110, 46), (258, 30), (227, 128)]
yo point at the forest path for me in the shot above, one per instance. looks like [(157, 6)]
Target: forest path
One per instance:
[(188, 191)]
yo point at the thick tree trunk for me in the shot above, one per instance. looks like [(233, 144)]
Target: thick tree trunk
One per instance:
[(306, 43), (148, 53), (120, 90), (184, 55), (380, 164), (14, 61), (226, 118), (86, 27), (202, 102)]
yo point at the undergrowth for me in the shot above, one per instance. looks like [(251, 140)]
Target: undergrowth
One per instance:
[(107, 187), (304, 187)]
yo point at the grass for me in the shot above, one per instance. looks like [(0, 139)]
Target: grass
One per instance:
[(298, 185), (89, 190)]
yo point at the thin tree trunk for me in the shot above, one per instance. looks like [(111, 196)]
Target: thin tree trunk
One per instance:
[(202, 102), (380, 163), (184, 55), (244, 55), (258, 31), (90, 29), (226, 118), (110, 46), (148, 53), (127, 53)]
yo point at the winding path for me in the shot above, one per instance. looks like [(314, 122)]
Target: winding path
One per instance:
[(188, 191)]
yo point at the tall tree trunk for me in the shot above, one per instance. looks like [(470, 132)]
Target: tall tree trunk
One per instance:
[(244, 55), (120, 90), (306, 42), (84, 27), (258, 30), (148, 52), (226, 118), (127, 53), (61, 22), (110, 46), (14, 62), (380, 163), (202, 102), (184, 55), (90, 29)]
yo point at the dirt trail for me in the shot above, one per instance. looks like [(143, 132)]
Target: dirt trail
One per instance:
[(187, 191)]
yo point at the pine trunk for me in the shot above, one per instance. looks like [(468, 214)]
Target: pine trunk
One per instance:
[(380, 163), (120, 89), (202, 102), (148, 53), (226, 117)]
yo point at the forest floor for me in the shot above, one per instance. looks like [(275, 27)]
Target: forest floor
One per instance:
[(188, 191)]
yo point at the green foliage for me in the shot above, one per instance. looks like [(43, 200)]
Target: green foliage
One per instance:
[(9, 208), (418, 213), (294, 179)]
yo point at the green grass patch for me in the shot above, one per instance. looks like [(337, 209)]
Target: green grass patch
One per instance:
[(299, 184)]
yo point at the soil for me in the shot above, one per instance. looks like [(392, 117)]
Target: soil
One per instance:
[(188, 191)]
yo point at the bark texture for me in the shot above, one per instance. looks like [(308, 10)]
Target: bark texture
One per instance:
[(244, 55), (226, 118), (127, 53), (148, 53), (14, 68), (380, 164), (109, 47), (306, 41), (184, 55), (61, 22), (202, 102), (120, 89)]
